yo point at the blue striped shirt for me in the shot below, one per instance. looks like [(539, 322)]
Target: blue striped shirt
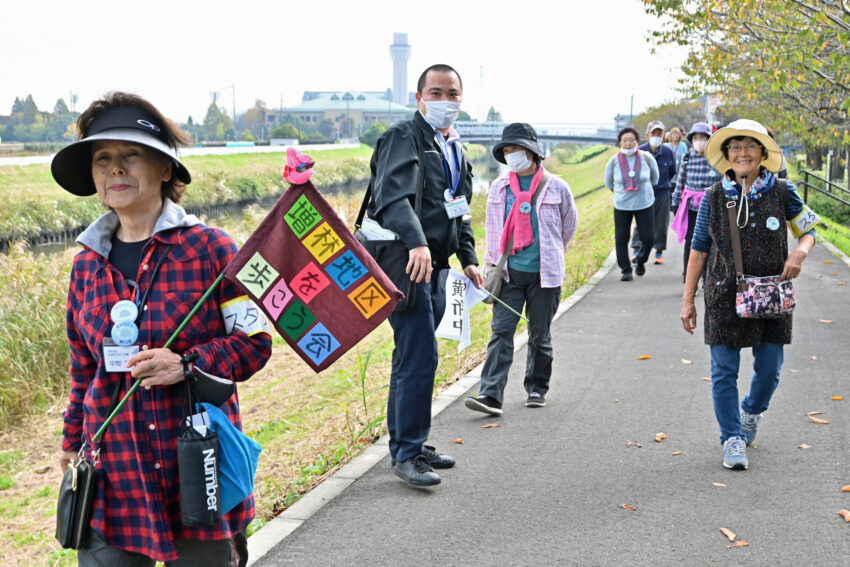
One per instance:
[(701, 241)]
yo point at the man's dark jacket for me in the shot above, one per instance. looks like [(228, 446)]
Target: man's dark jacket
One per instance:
[(395, 165)]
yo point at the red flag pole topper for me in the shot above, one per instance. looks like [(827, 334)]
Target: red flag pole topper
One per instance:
[(319, 287)]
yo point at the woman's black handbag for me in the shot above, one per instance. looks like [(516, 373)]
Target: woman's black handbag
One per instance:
[(74, 504), (392, 255), (197, 470)]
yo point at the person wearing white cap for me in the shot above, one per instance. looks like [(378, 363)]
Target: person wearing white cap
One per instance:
[(747, 157), (142, 267)]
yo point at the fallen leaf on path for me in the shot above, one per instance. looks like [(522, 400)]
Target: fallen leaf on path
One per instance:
[(845, 488), (825, 321), (813, 357), (804, 446), (842, 283), (677, 453), (818, 420), (836, 398), (633, 443), (730, 535), (794, 370), (644, 357), (489, 425), (627, 507), (686, 361), (827, 262), (706, 379), (719, 484), (844, 514), (659, 437), (741, 543), (458, 440), (811, 413)]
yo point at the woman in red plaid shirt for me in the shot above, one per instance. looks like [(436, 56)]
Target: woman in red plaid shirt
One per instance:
[(127, 156)]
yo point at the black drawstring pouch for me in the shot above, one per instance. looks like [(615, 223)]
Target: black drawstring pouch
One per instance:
[(197, 469)]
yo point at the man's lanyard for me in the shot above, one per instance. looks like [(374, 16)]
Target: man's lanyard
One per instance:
[(452, 184)]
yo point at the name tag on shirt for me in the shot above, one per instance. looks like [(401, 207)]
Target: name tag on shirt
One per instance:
[(115, 356), (457, 207)]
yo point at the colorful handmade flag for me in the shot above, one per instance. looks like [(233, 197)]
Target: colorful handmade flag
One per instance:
[(461, 296), (319, 287)]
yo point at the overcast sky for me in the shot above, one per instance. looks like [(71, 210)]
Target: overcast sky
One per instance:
[(558, 61)]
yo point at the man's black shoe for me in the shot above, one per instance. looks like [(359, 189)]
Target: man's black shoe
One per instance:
[(484, 404), (435, 459), (416, 472), (627, 277), (640, 269)]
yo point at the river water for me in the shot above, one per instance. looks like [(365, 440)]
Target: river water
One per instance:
[(485, 172)]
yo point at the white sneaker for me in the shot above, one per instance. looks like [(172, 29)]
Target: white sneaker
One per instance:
[(749, 426), (735, 454)]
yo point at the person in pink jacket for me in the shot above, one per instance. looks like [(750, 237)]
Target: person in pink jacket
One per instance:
[(531, 217)]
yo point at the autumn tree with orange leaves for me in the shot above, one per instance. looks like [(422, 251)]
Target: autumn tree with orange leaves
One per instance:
[(782, 62)]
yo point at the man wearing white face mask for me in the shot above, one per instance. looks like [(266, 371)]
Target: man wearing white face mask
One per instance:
[(531, 217), (666, 161), (442, 228)]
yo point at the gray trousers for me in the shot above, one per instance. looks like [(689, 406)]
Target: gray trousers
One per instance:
[(661, 213), (541, 305)]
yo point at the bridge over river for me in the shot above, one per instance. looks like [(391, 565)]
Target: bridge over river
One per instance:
[(549, 133)]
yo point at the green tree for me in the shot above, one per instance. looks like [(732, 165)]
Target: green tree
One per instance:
[(783, 62), (284, 131), (327, 127), (61, 108), (216, 123), (30, 110), (494, 115), (464, 115), (370, 136)]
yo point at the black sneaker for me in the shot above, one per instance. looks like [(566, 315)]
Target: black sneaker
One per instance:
[(640, 269), (435, 459), (484, 404), (416, 472), (627, 277), (535, 400)]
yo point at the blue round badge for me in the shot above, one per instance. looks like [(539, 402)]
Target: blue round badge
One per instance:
[(124, 310), (525, 208), (772, 223), (125, 333)]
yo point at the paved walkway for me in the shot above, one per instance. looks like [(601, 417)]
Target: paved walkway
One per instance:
[(547, 487)]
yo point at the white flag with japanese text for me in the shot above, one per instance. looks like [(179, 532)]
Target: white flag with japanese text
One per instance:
[(461, 296)]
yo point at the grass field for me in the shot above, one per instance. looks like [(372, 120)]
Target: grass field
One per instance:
[(308, 424)]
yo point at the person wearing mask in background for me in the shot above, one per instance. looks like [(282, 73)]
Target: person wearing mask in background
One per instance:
[(533, 213), (441, 230), (666, 161), (676, 142), (695, 176), (629, 175)]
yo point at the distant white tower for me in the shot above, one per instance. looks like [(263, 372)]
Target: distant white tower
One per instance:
[(400, 52)]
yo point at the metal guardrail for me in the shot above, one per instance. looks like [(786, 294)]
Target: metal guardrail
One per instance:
[(830, 189)]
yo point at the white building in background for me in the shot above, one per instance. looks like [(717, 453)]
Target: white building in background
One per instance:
[(352, 112)]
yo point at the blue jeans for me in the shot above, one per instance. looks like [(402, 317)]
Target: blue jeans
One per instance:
[(415, 358), (725, 363), (541, 304)]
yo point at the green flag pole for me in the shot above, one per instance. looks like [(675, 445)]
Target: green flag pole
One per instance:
[(138, 381), (508, 307)]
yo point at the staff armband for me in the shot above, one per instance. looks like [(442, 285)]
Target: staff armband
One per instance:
[(242, 315), (804, 222)]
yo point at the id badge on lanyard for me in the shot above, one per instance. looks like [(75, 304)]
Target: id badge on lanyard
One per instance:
[(124, 336), (455, 206)]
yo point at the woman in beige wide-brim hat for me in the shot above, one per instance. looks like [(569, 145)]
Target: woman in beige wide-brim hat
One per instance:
[(747, 157)]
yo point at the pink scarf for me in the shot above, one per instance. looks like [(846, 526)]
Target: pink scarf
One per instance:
[(630, 183), (680, 221), (518, 223)]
